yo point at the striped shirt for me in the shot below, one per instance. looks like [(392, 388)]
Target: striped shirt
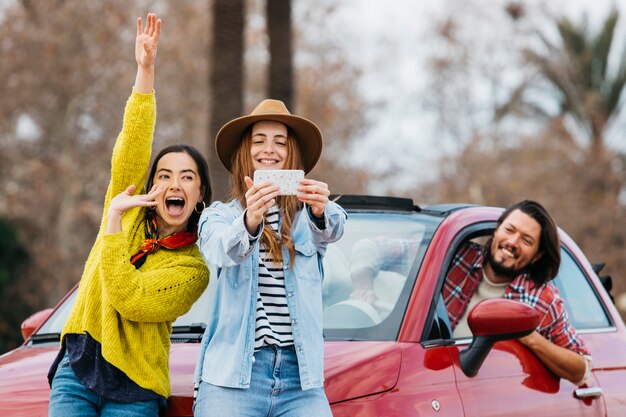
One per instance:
[(273, 324)]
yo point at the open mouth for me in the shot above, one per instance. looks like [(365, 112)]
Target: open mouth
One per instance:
[(267, 161), (509, 252), (174, 206)]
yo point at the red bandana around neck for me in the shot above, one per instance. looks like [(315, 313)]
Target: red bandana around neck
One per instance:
[(153, 243)]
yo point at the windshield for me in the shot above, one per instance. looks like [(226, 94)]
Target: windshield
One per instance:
[(383, 249), (370, 272)]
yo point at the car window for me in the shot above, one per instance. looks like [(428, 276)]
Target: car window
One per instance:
[(457, 282), (57, 320), (583, 307), (382, 252), (383, 249)]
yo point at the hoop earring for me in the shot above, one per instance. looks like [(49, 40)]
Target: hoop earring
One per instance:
[(203, 207)]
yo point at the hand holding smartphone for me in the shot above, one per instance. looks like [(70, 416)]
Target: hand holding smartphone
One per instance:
[(287, 180)]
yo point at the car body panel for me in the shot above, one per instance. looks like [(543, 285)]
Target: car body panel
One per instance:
[(425, 387), (23, 381), (511, 372), (349, 372), (613, 383)]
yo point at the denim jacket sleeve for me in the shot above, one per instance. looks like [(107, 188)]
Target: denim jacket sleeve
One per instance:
[(223, 238), (334, 220)]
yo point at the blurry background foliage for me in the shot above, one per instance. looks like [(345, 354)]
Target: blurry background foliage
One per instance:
[(541, 117), (12, 258)]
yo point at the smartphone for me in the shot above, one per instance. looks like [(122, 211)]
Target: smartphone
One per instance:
[(287, 180)]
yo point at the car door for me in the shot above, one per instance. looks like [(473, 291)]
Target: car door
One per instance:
[(594, 316), (512, 381)]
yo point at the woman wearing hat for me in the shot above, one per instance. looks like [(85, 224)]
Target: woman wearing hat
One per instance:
[(262, 351)]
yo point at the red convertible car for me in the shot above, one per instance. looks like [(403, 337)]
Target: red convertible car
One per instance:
[(395, 355)]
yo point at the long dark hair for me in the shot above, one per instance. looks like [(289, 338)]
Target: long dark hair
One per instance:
[(203, 172), (547, 266)]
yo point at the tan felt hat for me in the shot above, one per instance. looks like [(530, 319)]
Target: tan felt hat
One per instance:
[(308, 134)]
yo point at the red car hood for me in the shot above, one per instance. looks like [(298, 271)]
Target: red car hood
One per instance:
[(353, 369), (357, 369), (24, 389)]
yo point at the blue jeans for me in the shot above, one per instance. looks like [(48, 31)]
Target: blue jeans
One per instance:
[(69, 398), (274, 391)]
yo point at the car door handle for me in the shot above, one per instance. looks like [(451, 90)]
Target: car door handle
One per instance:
[(589, 392)]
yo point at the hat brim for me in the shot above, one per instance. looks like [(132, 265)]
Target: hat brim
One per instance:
[(308, 135)]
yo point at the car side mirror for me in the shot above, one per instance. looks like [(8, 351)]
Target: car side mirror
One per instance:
[(492, 321), (33, 322)]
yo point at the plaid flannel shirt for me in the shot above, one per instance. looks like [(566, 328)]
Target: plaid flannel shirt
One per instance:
[(462, 282)]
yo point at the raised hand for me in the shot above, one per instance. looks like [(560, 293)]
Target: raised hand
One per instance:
[(259, 198), (147, 40), (315, 194), (127, 200)]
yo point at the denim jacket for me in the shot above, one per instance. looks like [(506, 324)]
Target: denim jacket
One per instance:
[(227, 349)]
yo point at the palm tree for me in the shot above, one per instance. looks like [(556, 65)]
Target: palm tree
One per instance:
[(577, 70)]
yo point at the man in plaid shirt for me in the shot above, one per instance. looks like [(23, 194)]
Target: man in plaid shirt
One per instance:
[(518, 262)]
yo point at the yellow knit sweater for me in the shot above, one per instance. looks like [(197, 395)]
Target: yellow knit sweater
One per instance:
[(130, 311)]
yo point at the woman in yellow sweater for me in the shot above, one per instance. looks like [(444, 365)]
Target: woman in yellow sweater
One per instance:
[(143, 271)]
